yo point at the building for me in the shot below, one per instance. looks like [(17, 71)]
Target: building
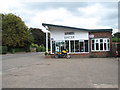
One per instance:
[(79, 42)]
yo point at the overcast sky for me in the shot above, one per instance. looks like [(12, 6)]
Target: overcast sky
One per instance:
[(88, 15)]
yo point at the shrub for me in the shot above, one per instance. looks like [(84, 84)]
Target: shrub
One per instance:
[(43, 48), (34, 45), (38, 49), (3, 49), (115, 39), (20, 50), (46, 53), (12, 50), (27, 48)]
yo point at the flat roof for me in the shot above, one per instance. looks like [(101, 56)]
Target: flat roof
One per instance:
[(67, 27)]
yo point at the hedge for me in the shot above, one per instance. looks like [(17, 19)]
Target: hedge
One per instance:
[(20, 49), (3, 49)]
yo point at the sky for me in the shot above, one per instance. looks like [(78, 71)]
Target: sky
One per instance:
[(88, 15)]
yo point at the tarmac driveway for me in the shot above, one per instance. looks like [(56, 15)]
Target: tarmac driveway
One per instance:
[(35, 71)]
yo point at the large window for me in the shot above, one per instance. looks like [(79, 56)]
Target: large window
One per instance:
[(53, 46), (100, 44), (62, 45), (77, 46), (73, 46), (67, 44), (57, 49), (86, 45), (81, 46)]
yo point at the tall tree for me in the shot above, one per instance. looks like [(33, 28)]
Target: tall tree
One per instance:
[(14, 31), (116, 35), (39, 36)]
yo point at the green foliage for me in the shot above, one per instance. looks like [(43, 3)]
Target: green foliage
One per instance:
[(14, 31), (34, 45), (3, 49), (27, 47), (43, 48), (115, 39), (46, 53), (38, 49), (12, 50), (20, 49), (116, 35), (39, 36)]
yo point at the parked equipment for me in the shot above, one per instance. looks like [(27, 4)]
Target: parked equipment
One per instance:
[(64, 53)]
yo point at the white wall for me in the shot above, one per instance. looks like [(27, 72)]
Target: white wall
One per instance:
[(58, 34)]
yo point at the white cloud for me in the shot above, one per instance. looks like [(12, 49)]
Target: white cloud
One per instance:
[(87, 17), (5, 5)]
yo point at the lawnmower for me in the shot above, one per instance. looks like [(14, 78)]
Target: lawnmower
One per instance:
[(63, 54)]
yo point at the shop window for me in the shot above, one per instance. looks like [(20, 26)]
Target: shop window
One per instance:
[(62, 45), (53, 46), (77, 46), (67, 44), (86, 45), (81, 46), (57, 47), (72, 45)]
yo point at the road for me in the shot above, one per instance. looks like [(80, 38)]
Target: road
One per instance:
[(32, 70)]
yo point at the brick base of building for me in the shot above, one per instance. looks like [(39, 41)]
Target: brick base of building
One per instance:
[(100, 54), (91, 54), (75, 55)]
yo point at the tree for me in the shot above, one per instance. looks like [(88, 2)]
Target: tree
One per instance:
[(116, 37), (39, 36), (14, 31)]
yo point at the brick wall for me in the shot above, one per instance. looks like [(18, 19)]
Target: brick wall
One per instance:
[(100, 35)]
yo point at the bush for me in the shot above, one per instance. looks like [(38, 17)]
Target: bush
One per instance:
[(38, 49), (27, 48), (46, 53), (12, 50), (43, 48), (115, 39), (3, 49), (34, 45), (20, 49)]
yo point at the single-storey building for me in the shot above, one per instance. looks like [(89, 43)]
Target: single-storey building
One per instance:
[(78, 41)]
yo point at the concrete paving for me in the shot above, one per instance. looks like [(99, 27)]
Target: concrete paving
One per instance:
[(35, 71)]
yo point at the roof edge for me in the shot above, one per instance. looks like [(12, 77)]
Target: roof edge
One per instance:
[(89, 30)]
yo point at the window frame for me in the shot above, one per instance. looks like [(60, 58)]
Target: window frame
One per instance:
[(99, 43)]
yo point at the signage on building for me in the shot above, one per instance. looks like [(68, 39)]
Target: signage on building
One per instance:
[(69, 37), (69, 33), (91, 36)]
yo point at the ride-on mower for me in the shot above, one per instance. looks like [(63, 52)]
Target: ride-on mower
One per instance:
[(64, 53)]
